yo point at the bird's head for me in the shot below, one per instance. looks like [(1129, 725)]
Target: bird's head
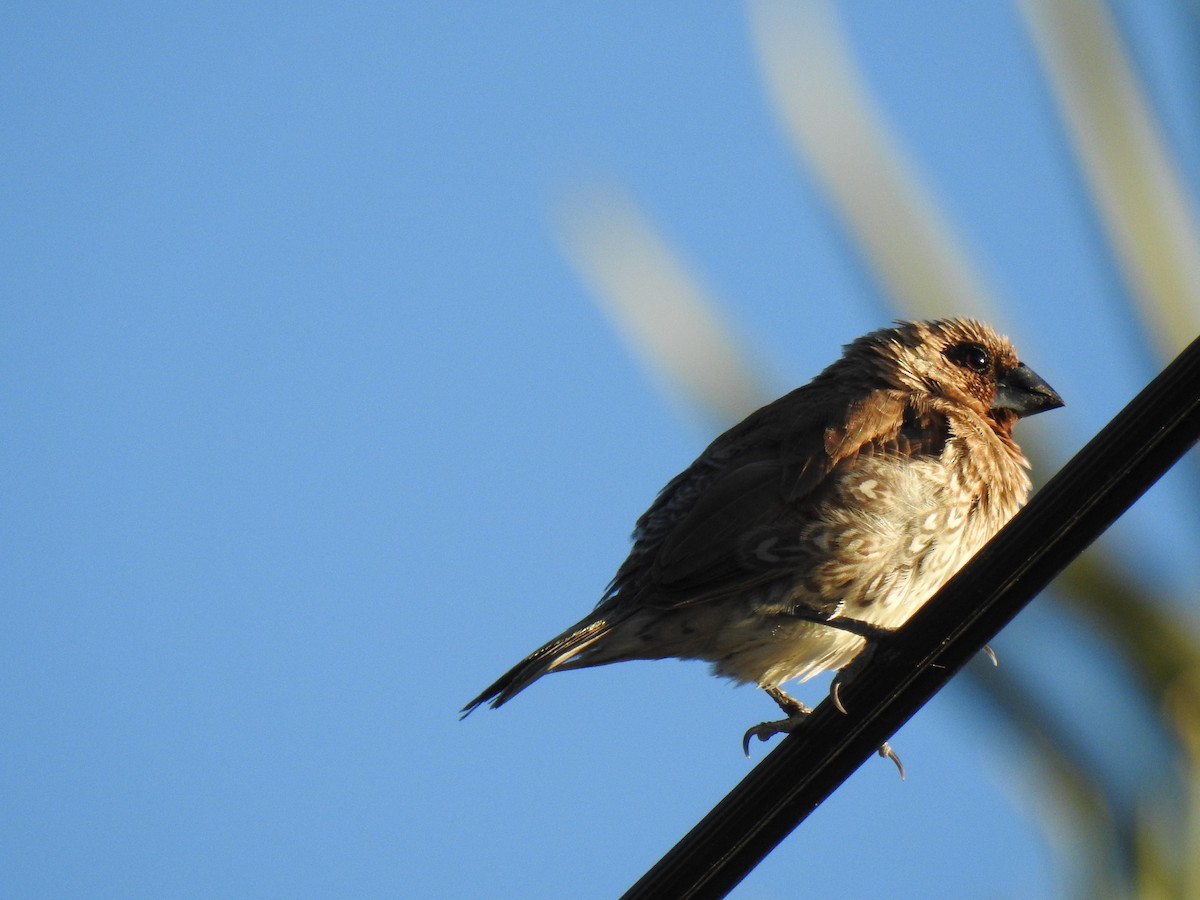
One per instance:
[(961, 360)]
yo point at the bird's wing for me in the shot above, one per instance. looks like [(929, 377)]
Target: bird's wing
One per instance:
[(743, 527)]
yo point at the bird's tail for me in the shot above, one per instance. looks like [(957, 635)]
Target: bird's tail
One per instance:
[(560, 652)]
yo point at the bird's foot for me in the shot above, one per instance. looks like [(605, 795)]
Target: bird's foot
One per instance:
[(764, 731), (796, 713)]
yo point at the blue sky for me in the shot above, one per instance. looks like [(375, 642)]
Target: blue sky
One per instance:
[(312, 431)]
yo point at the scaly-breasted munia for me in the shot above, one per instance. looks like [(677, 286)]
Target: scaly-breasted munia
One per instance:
[(854, 497)]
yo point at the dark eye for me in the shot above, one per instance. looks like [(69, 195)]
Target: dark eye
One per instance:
[(973, 356)]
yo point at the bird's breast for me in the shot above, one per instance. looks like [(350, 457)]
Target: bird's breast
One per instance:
[(893, 531)]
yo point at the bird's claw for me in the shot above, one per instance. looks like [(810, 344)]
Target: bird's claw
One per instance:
[(764, 731), (887, 752), (991, 654), (835, 695)]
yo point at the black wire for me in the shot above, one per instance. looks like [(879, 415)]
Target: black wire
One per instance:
[(1090, 492)]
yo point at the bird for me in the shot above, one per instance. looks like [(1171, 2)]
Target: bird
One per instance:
[(821, 521)]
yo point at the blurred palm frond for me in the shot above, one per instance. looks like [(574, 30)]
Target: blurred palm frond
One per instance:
[(844, 141), (1135, 187), (658, 304)]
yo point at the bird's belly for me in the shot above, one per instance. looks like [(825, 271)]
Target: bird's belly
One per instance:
[(783, 649)]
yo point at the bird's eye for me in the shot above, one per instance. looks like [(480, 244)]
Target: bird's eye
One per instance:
[(973, 356)]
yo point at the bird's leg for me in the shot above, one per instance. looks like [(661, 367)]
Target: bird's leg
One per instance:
[(865, 630), (787, 702), (796, 712)]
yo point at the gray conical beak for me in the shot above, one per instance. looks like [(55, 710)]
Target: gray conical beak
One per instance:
[(1024, 392)]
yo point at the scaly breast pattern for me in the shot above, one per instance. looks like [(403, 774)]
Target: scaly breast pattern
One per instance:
[(889, 535)]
